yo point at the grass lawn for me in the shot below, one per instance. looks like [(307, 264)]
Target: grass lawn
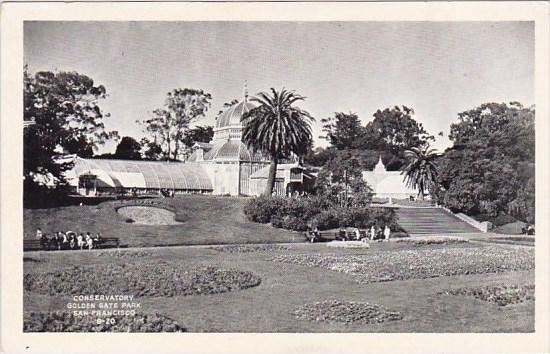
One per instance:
[(206, 220), (420, 290)]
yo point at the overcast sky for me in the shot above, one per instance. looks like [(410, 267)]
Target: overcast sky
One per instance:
[(437, 68)]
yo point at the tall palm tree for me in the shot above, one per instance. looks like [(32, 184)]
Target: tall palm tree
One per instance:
[(421, 169), (277, 128)]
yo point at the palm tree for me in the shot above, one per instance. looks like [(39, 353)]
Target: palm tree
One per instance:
[(277, 128), (421, 169)]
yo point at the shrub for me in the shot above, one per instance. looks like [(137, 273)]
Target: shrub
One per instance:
[(277, 221), (355, 217), (315, 205), (262, 208), (296, 213), (501, 219), (325, 220), (294, 223)]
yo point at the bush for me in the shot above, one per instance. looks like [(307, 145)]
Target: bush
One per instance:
[(355, 217), (367, 217), (296, 213), (263, 208), (294, 223), (277, 221), (501, 219), (325, 220)]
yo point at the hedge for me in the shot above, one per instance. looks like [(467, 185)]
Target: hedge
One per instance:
[(299, 213)]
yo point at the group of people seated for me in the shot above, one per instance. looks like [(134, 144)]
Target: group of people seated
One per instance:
[(374, 233), (69, 240), (528, 230)]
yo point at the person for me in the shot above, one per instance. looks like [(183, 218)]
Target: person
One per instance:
[(39, 233), (64, 241), (72, 241), (55, 242), (342, 235), (357, 234), (89, 241), (372, 232), (387, 232), (44, 242), (97, 240), (80, 240)]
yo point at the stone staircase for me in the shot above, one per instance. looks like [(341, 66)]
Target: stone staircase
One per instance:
[(425, 221)]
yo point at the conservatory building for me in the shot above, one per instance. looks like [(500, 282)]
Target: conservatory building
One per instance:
[(224, 166), (388, 184)]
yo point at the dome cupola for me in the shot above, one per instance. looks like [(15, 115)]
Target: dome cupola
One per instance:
[(229, 123)]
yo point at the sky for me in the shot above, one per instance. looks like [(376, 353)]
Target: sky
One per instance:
[(437, 68)]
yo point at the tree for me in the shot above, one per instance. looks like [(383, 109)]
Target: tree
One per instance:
[(128, 149), (396, 129), (277, 128), (393, 131), (490, 168), (168, 124), (319, 156), (150, 150), (197, 134), (344, 131), (341, 180), (67, 120), (421, 169)]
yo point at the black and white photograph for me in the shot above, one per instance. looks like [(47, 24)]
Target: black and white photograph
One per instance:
[(223, 176)]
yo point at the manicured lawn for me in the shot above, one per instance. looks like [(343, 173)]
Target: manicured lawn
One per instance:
[(206, 220), (299, 279)]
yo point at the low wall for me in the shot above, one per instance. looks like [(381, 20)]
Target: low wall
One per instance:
[(483, 226)]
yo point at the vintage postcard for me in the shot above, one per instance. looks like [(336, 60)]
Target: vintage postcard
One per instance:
[(306, 177)]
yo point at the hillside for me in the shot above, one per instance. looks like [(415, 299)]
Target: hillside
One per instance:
[(206, 220)]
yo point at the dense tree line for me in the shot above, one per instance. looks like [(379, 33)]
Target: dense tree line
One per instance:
[(66, 118), (490, 169)]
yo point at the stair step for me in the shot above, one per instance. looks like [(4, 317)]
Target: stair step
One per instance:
[(431, 221)]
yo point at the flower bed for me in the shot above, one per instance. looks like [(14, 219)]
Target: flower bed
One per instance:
[(346, 312), (420, 263), (155, 280), (432, 240), (124, 254), (348, 244), (148, 215), (502, 295), (66, 322), (249, 248)]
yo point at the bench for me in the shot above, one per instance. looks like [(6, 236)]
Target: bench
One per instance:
[(105, 242), (331, 235), (109, 242)]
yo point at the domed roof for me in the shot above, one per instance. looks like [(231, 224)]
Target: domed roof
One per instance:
[(233, 115), (230, 150)]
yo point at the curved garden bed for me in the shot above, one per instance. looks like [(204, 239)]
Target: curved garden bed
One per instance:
[(148, 215), (152, 280), (67, 322), (346, 312)]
